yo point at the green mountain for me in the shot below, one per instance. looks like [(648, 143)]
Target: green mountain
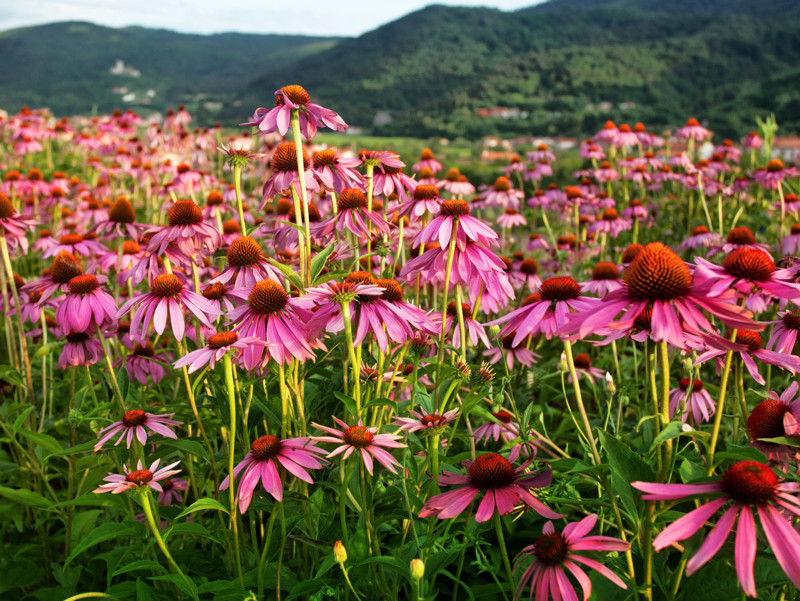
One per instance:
[(67, 66), (563, 67)]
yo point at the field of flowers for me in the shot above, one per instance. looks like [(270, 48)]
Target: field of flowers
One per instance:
[(248, 366)]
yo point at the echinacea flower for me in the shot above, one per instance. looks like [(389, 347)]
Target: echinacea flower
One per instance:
[(143, 362), (505, 428), (428, 422), (171, 490), (502, 486), (295, 455), (336, 172), (583, 366), (511, 352), (118, 483), (474, 331), (776, 417), (427, 160), (295, 98), (121, 221), (750, 487), (425, 200), (85, 304), (353, 216), (694, 130), (692, 399), (12, 226), (217, 346), (605, 279), (82, 348), (187, 229), (366, 440), (165, 302), (136, 422), (783, 337), (455, 221), (557, 553), (701, 237), (247, 265)]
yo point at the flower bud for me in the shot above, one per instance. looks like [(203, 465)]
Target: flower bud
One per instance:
[(417, 569), (339, 552), (610, 386), (562, 365)]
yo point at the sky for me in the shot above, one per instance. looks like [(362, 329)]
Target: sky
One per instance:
[(312, 17)]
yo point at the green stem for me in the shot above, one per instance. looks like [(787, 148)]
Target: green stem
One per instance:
[(354, 362), (231, 452), (301, 176), (237, 186), (498, 528), (451, 251), (663, 352), (723, 388), (23, 343), (262, 562)]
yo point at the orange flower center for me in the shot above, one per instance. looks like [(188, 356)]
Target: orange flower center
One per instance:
[(766, 420), (297, 94), (65, 267), (657, 273), (352, 198), (134, 417), (358, 436), (750, 264), (221, 339), (559, 289), (139, 477), (426, 192), (454, 208), (266, 447), (605, 270), (741, 236), (83, 284), (267, 297), (491, 471), (285, 157), (243, 252), (185, 212)]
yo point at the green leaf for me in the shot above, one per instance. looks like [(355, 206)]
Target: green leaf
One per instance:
[(381, 402), (124, 382), (785, 440), (11, 375), (190, 528), (186, 585), (202, 504), (48, 349), (674, 430), (144, 592), (349, 402), (21, 418), (626, 466), (81, 448), (389, 562), (141, 564), (47, 442), (289, 273), (331, 275), (318, 262), (192, 447), (102, 533), (740, 453), (25, 497)]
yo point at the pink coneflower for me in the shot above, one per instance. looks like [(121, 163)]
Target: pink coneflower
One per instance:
[(542, 153), (554, 551), (605, 173), (455, 183), (366, 440), (749, 345), (425, 200), (693, 129), (336, 172), (475, 331), (583, 366), (247, 265), (272, 315), (117, 483), (352, 216), (82, 348), (285, 174), (728, 151), (388, 176), (143, 362), (791, 204), (219, 296), (391, 313), (527, 274), (545, 311), (426, 159), (295, 455), (287, 99), (511, 218), (775, 172), (512, 353), (186, 229), (605, 279), (752, 140), (607, 134), (776, 417), (750, 487), (171, 490), (590, 150), (657, 277), (506, 428), (13, 228), (85, 304), (784, 335), (428, 422), (701, 237), (750, 272), (537, 242), (610, 223), (165, 302), (739, 237), (635, 210), (137, 422), (121, 221), (217, 346), (502, 194), (454, 220), (77, 244), (625, 138), (502, 485), (693, 399)]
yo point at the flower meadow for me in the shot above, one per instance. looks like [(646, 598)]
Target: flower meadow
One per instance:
[(238, 364)]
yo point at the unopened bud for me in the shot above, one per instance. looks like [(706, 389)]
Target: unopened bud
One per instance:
[(339, 552), (610, 386), (417, 569), (562, 365)]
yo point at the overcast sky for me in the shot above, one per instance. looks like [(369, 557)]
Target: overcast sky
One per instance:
[(314, 17)]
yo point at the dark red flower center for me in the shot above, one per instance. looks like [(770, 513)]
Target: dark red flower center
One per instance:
[(83, 284), (432, 419), (531, 298), (122, 211), (231, 227), (426, 192), (64, 267), (70, 239), (134, 417), (285, 157), (361, 277), (551, 549), (129, 247), (559, 289), (491, 471), (143, 350), (167, 484), (657, 273), (77, 337), (750, 338), (244, 252), (741, 236), (775, 165), (393, 291), (139, 477), (605, 270), (699, 230), (267, 297), (503, 416), (6, 208), (582, 361), (687, 384), (502, 184), (214, 291), (766, 420), (610, 215), (185, 212), (221, 339), (324, 158), (750, 264), (454, 208), (266, 447), (297, 94), (631, 252), (642, 321), (358, 436), (750, 482), (795, 229), (166, 285), (529, 267), (792, 320), (214, 198), (352, 198), (283, 206)]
